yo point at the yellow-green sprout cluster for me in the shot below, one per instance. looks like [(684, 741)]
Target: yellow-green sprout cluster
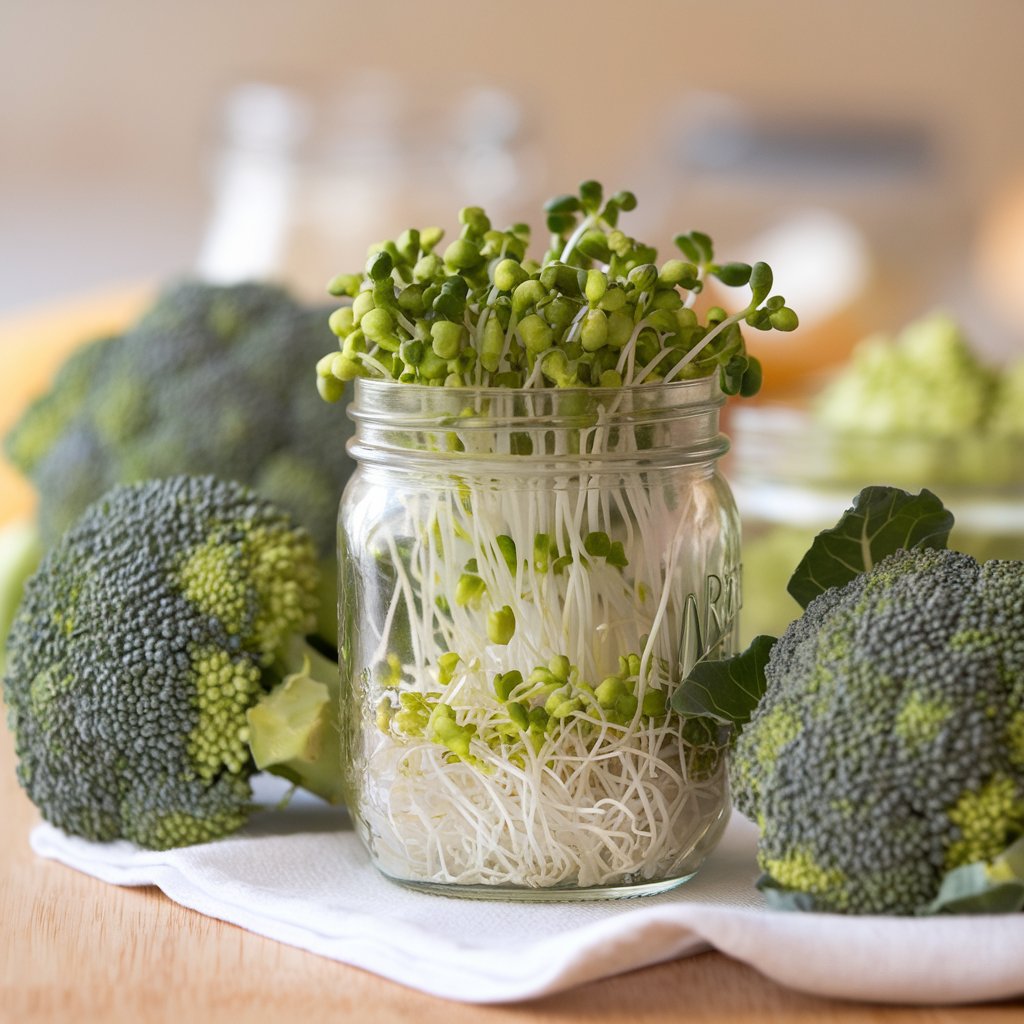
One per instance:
[(598, 310)]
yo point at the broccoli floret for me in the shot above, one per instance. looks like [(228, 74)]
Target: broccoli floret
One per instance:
[(205, 382), (165, 615), (50, 416), (888, 748), (926, 382)]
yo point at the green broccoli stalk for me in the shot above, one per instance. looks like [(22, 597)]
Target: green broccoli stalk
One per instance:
[(20, 552), (880, 744), (293, 729), (142, 652)]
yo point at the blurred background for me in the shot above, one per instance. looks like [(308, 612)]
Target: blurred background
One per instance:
[(873, 153)]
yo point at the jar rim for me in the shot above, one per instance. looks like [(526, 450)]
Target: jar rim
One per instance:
[(421, 405), (703, 385), (660, 424)]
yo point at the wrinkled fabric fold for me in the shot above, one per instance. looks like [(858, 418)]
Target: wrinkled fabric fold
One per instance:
[(300, 876)]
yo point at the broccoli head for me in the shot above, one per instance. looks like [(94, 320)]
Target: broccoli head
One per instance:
[(204, 383), (166, 614), (888, 747), (926, 382)]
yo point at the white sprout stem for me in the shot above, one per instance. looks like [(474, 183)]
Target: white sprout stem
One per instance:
[(478, 369), (666, 593), (513, 323), (652, 365), (384, 634), (407, 324), (374, 364), (596, 802), (407, 593), (627, 354), (576, 325), (584, 225), (535, 374), (705, 341)]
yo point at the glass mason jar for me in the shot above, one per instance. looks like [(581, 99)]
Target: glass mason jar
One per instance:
[(794, 478), (524, 578)]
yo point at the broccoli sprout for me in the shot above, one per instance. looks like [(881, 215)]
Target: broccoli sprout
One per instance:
[(517, 651), (521, 665), (597, 311)]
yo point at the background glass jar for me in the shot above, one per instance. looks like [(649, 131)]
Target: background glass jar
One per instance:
[(524, 577), (793, 478)]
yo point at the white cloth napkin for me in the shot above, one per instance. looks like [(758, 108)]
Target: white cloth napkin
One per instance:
[(300, 876)]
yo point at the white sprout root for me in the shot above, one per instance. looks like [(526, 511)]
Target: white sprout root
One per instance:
[(617, 813), (589, 795)]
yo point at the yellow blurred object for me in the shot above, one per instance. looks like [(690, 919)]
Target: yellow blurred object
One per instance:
[(33, 345), (999, 264), (792, 361)]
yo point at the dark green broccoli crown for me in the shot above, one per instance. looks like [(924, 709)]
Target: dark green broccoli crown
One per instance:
[(205, 382), (889, 746), (141, 641)]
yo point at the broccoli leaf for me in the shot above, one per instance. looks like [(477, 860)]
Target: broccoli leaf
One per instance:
[(293, 729), (778, 897), (729, 690), (981, 888), (882, 520)]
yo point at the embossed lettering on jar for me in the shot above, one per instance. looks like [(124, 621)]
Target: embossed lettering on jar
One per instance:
[(525, 577)]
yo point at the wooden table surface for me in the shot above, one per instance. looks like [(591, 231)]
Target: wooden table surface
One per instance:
[(75, 949)]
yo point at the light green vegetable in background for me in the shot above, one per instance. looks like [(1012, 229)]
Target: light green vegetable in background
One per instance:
[(158, 646), (918, 409), (880, 743), (1006, 418), (925, 382)]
